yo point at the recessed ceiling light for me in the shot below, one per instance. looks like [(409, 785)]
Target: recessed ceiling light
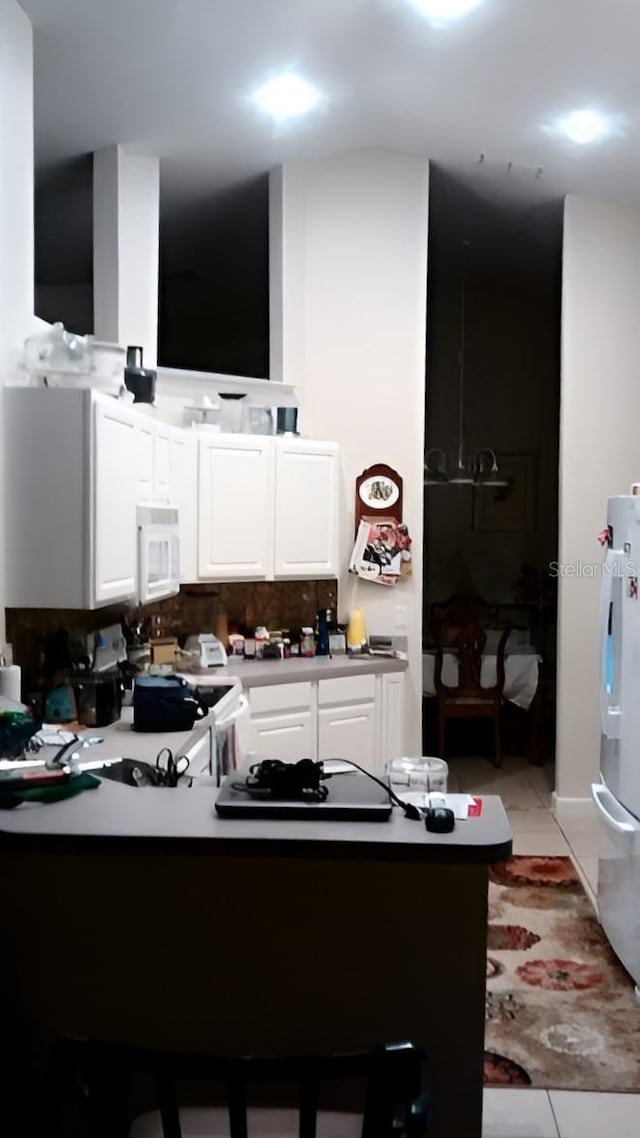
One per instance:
[(286, 96), (586, 126), (441, 12)]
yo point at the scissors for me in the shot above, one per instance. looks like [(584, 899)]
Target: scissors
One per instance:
[(170, 770)]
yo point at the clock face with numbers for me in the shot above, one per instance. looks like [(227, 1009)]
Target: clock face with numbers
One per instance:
[(379, 492)]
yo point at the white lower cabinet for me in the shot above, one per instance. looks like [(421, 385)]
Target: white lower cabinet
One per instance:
[(285, 736), (348, 715), (360, 718), (282, 722), (348, 733), (393, 716)]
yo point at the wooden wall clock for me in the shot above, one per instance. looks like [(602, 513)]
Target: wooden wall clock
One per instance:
[(378, 495)]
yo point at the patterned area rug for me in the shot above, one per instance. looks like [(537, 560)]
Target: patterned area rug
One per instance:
[(561, 1010)]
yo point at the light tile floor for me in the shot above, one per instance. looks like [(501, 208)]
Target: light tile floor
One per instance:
[(526, 793)]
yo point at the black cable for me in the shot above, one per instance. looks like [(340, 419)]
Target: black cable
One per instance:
[(410, 811)]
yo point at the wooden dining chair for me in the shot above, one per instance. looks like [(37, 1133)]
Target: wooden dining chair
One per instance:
[(390, 1079), (468, 699), (448, 617)]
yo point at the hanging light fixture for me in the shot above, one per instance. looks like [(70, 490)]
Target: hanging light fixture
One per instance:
[(435, 469), (483, 476), (476, 472)]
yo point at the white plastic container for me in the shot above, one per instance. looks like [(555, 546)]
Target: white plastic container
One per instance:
[(64, 359), (423, 774), (232, 413)]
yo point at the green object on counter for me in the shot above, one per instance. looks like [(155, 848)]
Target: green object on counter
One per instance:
[(11, 798)]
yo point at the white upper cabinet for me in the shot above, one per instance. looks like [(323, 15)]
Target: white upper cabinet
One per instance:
[(184, 465), (306, 509), (144, 460), (162, 479), (267, 508), (251, 507), (235, 508), (73, 457), (114, 513), (160, 451)]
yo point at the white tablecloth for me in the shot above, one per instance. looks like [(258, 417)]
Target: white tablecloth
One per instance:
[(520, 673)]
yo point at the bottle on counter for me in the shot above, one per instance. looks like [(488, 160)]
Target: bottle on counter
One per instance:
[(337, 640), (322, 644), (221, 629), (357, 632), (236, 644), (261, 638), (250, 647), (307, 642)]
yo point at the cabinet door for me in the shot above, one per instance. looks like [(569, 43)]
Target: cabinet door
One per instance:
[(184, 474), (284, 736), (348, 732), (144, 460), (306, 509), (235, 508), (162, 440), (115, 535), (393, 716)]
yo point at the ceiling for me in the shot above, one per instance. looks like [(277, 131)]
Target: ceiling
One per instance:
[(172, 77)]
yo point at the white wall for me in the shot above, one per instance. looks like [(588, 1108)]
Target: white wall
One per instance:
[(599, 450), (126, 217), (348, 311), (16, 203)]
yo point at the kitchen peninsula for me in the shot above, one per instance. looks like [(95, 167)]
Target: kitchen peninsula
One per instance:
[(137, 914)]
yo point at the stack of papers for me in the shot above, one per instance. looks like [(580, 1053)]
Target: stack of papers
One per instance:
[(464, 806)]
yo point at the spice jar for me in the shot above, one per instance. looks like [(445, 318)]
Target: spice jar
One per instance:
[(262, 638), (307, 642)]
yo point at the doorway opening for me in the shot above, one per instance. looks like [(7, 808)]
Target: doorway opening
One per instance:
[(491, 474)]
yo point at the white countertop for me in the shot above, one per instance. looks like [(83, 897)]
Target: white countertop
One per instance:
[(301, 669), (170, 818)]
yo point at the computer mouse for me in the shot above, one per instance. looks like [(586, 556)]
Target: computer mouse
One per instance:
[(439, 820)]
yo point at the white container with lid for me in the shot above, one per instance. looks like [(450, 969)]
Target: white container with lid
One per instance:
[(425, 773)]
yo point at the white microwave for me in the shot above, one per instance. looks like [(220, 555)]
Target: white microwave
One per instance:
[(158, 553)]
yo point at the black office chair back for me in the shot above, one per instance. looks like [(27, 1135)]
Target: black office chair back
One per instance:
[(395, 1099)]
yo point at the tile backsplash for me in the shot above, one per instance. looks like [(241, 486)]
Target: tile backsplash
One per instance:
[(276, 604)]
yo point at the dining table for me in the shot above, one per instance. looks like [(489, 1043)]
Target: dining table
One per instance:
[(521, 667)]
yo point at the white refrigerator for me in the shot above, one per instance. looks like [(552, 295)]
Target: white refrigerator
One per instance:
[(617, 795)]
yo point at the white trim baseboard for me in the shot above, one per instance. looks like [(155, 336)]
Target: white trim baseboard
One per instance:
[(571, 806)]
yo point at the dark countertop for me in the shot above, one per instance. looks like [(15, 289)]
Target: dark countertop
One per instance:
[(301, 669), (168, 821)]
